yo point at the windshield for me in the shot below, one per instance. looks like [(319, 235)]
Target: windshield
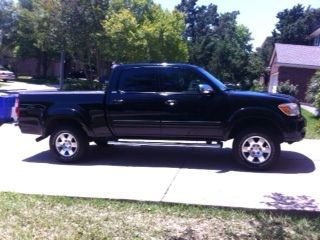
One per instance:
[(216, 81)]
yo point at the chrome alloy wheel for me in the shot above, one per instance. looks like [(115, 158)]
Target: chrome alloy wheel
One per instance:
[(256, 149), (66, 144)]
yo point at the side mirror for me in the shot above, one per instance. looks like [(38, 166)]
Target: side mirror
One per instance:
[(205, 89)]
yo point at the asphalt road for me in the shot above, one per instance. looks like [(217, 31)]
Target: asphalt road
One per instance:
[(163, 174)]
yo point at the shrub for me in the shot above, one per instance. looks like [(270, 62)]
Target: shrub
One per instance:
[(317, 101), (287, 88), (258, 86), (313, 89), (81, 85)]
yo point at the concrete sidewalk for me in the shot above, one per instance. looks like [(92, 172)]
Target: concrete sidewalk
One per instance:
[(163, 174)]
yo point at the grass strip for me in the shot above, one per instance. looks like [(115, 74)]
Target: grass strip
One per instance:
[(44, 217)]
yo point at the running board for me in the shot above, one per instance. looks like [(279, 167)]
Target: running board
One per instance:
[(166, 144)]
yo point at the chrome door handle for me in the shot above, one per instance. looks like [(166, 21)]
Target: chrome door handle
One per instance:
[(170, 102), (118, 101)]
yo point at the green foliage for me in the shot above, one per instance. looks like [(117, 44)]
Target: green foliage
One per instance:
[(296, 24), (144, 33), (312, 126), (95, 33), (265, 51), (255, 66), (38, 30), (81, 85), (317, 101), (258, 86), (8, 27), (313, 88), (216, 42), (287, 88)]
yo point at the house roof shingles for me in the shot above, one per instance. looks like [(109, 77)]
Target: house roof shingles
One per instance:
[(288, 54)]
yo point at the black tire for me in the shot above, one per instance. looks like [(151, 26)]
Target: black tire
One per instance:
[(256, 149), (68, 144)]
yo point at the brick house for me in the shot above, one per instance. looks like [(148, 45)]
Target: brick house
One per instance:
[(297, 63)]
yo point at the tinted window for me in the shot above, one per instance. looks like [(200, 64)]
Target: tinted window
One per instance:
[(138, 80), (180, 80)]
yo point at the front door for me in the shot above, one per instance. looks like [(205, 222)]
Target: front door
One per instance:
[(187, 112)]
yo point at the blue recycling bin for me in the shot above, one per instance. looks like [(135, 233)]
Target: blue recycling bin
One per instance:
[(6, 103)]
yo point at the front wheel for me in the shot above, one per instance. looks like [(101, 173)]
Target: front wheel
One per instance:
[(69, 144), (256, 149)]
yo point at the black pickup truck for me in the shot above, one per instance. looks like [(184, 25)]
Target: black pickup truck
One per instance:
[(164, 102)]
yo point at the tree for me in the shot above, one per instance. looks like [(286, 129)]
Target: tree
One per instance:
[(8, 27), (266, 50), (255, 67), (142, 31), (38, 28), (216, 42), (83, 32), (295, 25)]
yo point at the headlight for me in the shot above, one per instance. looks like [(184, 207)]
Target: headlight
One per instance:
[(290, 109)]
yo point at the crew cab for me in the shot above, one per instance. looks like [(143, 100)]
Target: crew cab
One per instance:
[(164, 102)]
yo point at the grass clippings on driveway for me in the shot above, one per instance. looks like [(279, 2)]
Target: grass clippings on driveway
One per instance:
[(41, 217), (313, 125)]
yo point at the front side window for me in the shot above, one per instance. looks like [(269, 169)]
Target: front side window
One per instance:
[(180, 80), (138, 80)]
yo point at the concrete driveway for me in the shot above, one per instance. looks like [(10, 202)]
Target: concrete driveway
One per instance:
[(21, 86), (163, 174)]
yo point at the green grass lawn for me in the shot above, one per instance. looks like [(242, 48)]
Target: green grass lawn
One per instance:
[(43, 217), (313, 125)]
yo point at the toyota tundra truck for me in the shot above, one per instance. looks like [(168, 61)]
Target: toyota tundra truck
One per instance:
[(161, 102)]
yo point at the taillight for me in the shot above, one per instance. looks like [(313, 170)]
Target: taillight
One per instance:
[(17, 107), (15, 111)]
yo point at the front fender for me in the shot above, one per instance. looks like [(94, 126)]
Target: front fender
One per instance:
[(254, 117)]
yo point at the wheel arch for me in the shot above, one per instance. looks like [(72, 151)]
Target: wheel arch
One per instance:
[(53, 123), (255, 123)]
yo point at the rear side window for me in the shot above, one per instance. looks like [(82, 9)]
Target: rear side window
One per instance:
[(138, 80), (180, 80)]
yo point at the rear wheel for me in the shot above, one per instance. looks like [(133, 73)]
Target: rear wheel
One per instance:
[(256, 149), (69, 144)]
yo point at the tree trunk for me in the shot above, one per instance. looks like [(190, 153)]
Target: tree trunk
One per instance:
[(62, 57), (44, 60)]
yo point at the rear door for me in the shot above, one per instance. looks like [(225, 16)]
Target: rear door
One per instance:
[(134, 108)]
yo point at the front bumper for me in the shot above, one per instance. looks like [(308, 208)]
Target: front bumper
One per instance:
[(295, 130)]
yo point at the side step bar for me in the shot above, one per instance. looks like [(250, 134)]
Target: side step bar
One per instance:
[(208, 144)]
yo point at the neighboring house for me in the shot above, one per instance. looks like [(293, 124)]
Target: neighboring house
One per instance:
[(31, 66), (297, 63)]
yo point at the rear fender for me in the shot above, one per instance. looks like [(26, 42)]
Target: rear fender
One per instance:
[(56, 117)]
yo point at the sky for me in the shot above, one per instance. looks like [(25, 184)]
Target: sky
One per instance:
[(258, 15)]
